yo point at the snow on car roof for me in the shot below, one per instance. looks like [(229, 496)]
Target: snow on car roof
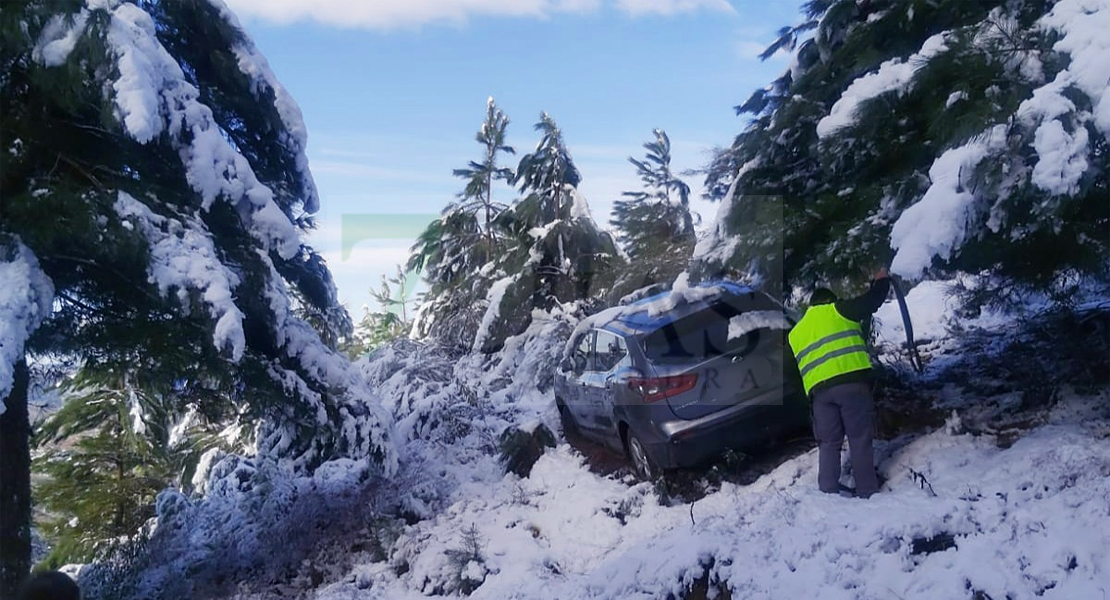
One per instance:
[(653, 312)]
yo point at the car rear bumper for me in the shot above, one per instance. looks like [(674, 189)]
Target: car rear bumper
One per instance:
[(689, 443)]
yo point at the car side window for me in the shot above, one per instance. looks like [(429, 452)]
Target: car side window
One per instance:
[(582, 354), (611, 349)]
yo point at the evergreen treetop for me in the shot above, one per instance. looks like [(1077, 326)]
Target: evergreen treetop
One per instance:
[(454, 249), (480, 176), (654, 223), (546, 248), (547, 173), (918, 132)]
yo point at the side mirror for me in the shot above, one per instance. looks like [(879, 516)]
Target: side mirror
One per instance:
[(566, 365)]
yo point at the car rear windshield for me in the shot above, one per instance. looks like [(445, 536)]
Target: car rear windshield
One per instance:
[(705, 334)]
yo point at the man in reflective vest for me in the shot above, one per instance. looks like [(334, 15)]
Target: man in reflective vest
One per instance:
[(832, 357)]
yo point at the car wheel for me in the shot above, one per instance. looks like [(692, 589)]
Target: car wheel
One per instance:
[(641, 462)]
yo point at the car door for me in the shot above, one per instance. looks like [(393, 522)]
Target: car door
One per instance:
[(573, 393), (610, 354)]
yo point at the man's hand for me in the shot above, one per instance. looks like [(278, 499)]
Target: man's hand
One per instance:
[(882, 273)]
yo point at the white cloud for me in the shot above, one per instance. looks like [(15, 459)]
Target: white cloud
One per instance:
[(392, 14), (671, 7)]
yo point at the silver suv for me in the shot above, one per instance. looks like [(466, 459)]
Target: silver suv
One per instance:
[(677, 378)]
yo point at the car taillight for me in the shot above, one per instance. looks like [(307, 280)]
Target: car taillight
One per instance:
[(654, 389)]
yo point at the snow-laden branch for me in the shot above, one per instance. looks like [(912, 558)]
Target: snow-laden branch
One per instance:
[(184, 259), (26, 297), (152, 97)]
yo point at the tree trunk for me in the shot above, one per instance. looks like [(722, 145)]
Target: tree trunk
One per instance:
[(15, 486), (489, 218)]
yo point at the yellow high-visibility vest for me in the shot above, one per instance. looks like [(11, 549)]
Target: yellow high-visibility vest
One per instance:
[(827, 345)]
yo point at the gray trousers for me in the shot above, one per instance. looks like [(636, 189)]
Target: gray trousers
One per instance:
[(845, 409)]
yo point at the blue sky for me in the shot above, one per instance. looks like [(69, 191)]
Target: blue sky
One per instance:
[(393, 91)]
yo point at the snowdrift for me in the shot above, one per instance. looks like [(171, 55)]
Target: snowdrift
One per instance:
[(961, 516)]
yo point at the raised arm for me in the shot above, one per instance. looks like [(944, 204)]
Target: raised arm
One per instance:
[(862, 307)]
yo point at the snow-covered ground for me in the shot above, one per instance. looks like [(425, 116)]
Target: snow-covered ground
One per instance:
[(963, 514), (1028, 521), (959, 516)]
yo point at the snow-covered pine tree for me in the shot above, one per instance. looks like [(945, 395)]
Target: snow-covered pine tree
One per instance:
[(654, 224), (570, 256), (153, 193), (454, 248), (943, 135), (480, 176), (558, 254)]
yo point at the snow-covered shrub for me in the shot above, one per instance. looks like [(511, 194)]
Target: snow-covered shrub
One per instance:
[(417, 384), (706, 586), (521, 374), (467, 562), (436, 394), (258, 521), (625, 509), (455, 565)]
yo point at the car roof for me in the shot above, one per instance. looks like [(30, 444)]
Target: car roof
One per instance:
[(637, 317)]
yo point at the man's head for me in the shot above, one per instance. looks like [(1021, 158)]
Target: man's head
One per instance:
[(51, 585), (822, 296)]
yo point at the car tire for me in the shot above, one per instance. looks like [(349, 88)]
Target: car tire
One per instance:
[(637, 454)]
